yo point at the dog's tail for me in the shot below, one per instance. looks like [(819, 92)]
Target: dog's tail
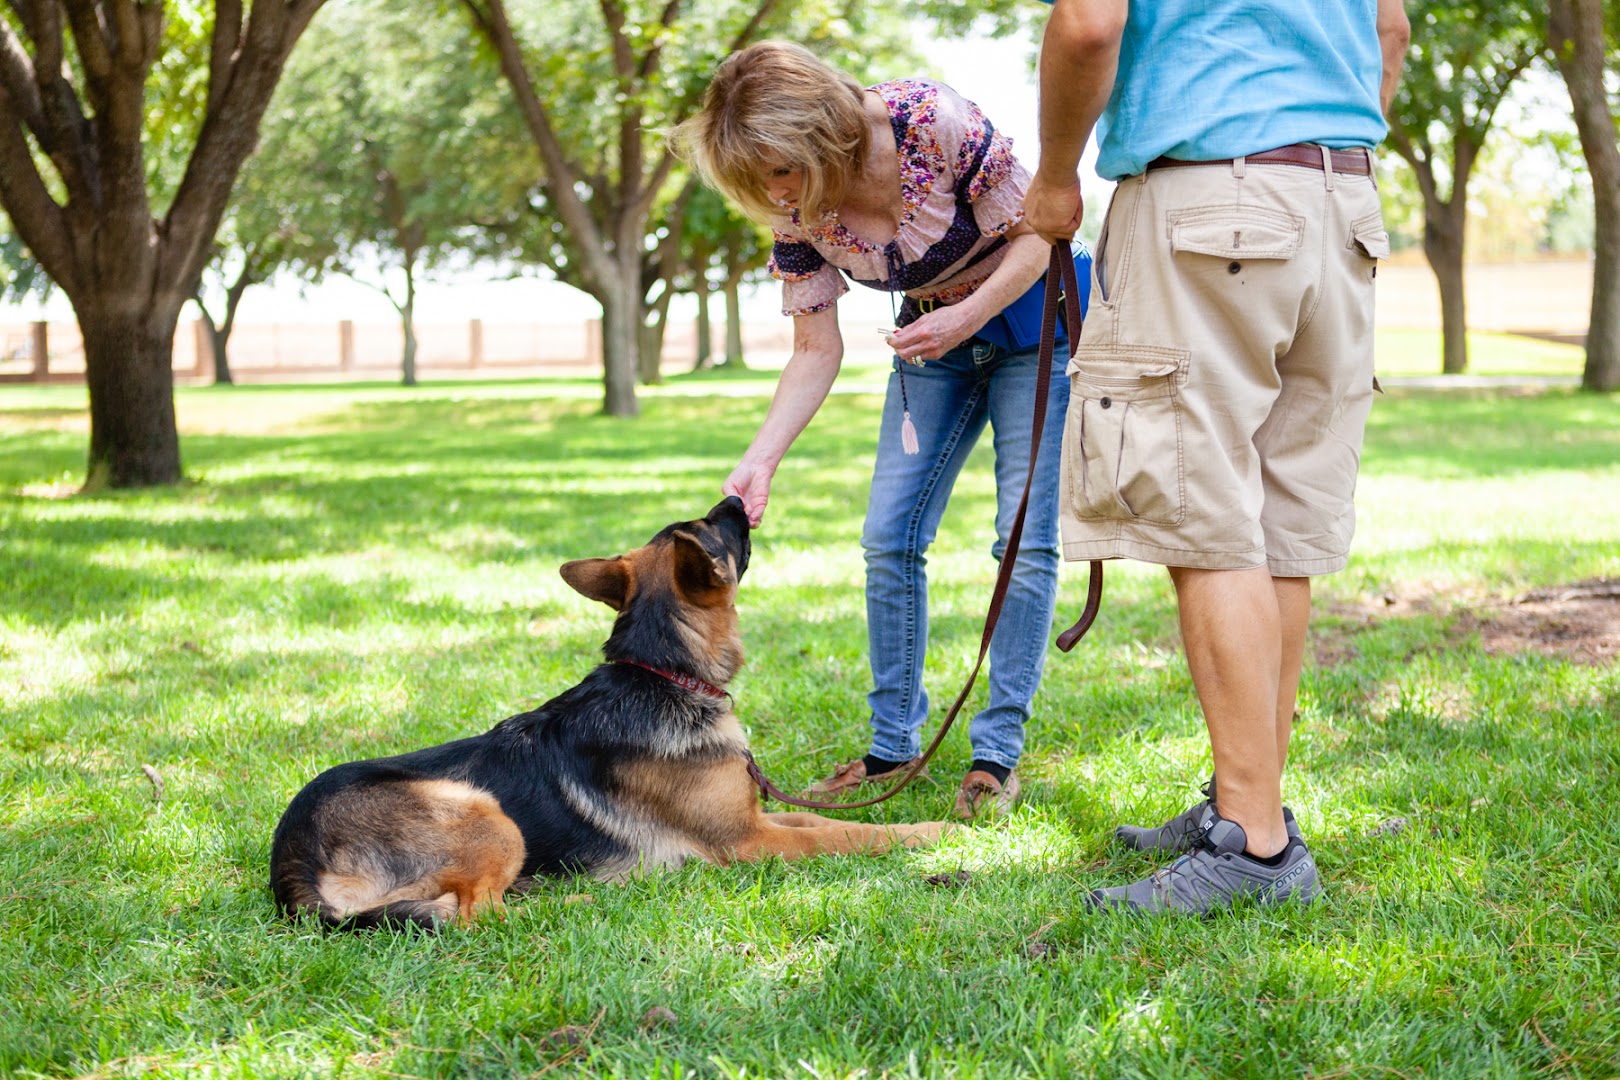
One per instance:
[(426, 915), (299, 896)]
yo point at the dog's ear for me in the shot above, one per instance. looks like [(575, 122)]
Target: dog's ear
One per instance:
[(607, 580), (696, 571)]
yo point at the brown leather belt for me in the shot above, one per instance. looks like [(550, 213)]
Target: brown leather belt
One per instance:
[(1355, 162)]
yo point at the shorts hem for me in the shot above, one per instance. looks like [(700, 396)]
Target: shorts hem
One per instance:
[(1084, 550), (1307, 567)]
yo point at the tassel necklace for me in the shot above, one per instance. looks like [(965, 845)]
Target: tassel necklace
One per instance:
[(908, 430)]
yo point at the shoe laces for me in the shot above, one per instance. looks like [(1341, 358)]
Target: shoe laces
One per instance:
[(1161, 877), (977, 791)]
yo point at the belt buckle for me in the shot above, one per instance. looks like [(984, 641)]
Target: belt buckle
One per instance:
[(927, 306)]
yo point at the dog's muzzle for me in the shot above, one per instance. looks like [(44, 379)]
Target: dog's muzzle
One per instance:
[(731, 521)]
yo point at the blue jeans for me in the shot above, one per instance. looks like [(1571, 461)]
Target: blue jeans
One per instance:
[(951, 398)]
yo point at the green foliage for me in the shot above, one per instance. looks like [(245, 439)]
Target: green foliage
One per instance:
[(176, 96), (1000, 17), (363, 569), (387, 144), (1462, 61), (570, 56), (718, 241), (20, 275)]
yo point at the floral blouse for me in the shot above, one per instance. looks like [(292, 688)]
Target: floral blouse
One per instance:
[(961, 189)]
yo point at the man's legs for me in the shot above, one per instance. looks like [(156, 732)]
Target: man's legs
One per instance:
[(1294, 608), (1244, 633)]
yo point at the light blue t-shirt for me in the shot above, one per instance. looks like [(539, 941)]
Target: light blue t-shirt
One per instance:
[(1201, 80)]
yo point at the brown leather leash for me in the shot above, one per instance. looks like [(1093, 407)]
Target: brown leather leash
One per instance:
[(1062, 288)]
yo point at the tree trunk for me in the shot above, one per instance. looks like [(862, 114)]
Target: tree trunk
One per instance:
[(1443, 245), (407, 315), (129, 372), (621, 337), (219, 334), (700, 287), (233, 301), (705, 329), (91, 226), (734, 346), (1602, 371), (652, 338), (219, 338), (1575, 33)]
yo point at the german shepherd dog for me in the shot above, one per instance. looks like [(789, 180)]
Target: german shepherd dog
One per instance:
[(642, 765)]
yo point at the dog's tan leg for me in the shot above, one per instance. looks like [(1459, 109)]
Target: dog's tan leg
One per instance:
[(485, 848), (796, 819), (836, 838)]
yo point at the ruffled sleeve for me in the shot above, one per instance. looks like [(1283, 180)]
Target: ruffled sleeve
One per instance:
[(809, 282), (984, 169)]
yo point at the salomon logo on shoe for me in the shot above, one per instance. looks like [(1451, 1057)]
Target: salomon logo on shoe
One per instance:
[(1283, 884)]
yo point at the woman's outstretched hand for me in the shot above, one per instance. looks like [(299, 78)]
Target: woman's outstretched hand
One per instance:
[(751, 483)]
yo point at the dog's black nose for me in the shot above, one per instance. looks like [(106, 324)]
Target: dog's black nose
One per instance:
[(731, 507), (731, 519)]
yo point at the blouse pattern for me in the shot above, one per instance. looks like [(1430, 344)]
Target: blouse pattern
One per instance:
[(961, 189)]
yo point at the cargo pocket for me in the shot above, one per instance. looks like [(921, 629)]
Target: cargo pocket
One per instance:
[(1236, 233), (1122, 436), (1368, 235)]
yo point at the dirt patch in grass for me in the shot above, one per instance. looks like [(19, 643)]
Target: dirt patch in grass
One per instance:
[(1579, 622)]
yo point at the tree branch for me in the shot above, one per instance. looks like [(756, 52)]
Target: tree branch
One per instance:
[(89, 35), (151, 24), (1421, 163), (29, 15), (17, 79), (128, 41), (222, 49), (230, 131), (62, 131), (35, 216), (624, 61), (746, 35), (562, 174), (649, 62), (643, 201)]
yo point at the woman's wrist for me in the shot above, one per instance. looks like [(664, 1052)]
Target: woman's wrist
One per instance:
[(761, 460), (976, 310)]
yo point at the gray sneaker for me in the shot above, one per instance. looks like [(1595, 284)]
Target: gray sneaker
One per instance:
[(1175, 834), (1214, 873)]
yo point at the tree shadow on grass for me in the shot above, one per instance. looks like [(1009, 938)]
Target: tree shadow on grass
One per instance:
[(455, 478), (31, 457)]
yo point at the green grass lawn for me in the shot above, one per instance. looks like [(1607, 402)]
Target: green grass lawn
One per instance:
[(356, 571), (1417, 352)]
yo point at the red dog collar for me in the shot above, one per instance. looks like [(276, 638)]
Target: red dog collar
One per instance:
[(687, 682)]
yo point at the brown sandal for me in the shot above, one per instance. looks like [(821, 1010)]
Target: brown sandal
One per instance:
[(980, 793), (852, 774)]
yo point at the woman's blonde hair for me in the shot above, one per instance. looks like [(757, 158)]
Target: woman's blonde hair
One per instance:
[(775, 105)]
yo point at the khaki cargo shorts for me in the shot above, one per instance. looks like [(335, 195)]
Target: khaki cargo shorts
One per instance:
[(1225, 372)]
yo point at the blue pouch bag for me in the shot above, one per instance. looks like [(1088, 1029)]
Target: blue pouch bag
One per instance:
[(1018, 327)]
